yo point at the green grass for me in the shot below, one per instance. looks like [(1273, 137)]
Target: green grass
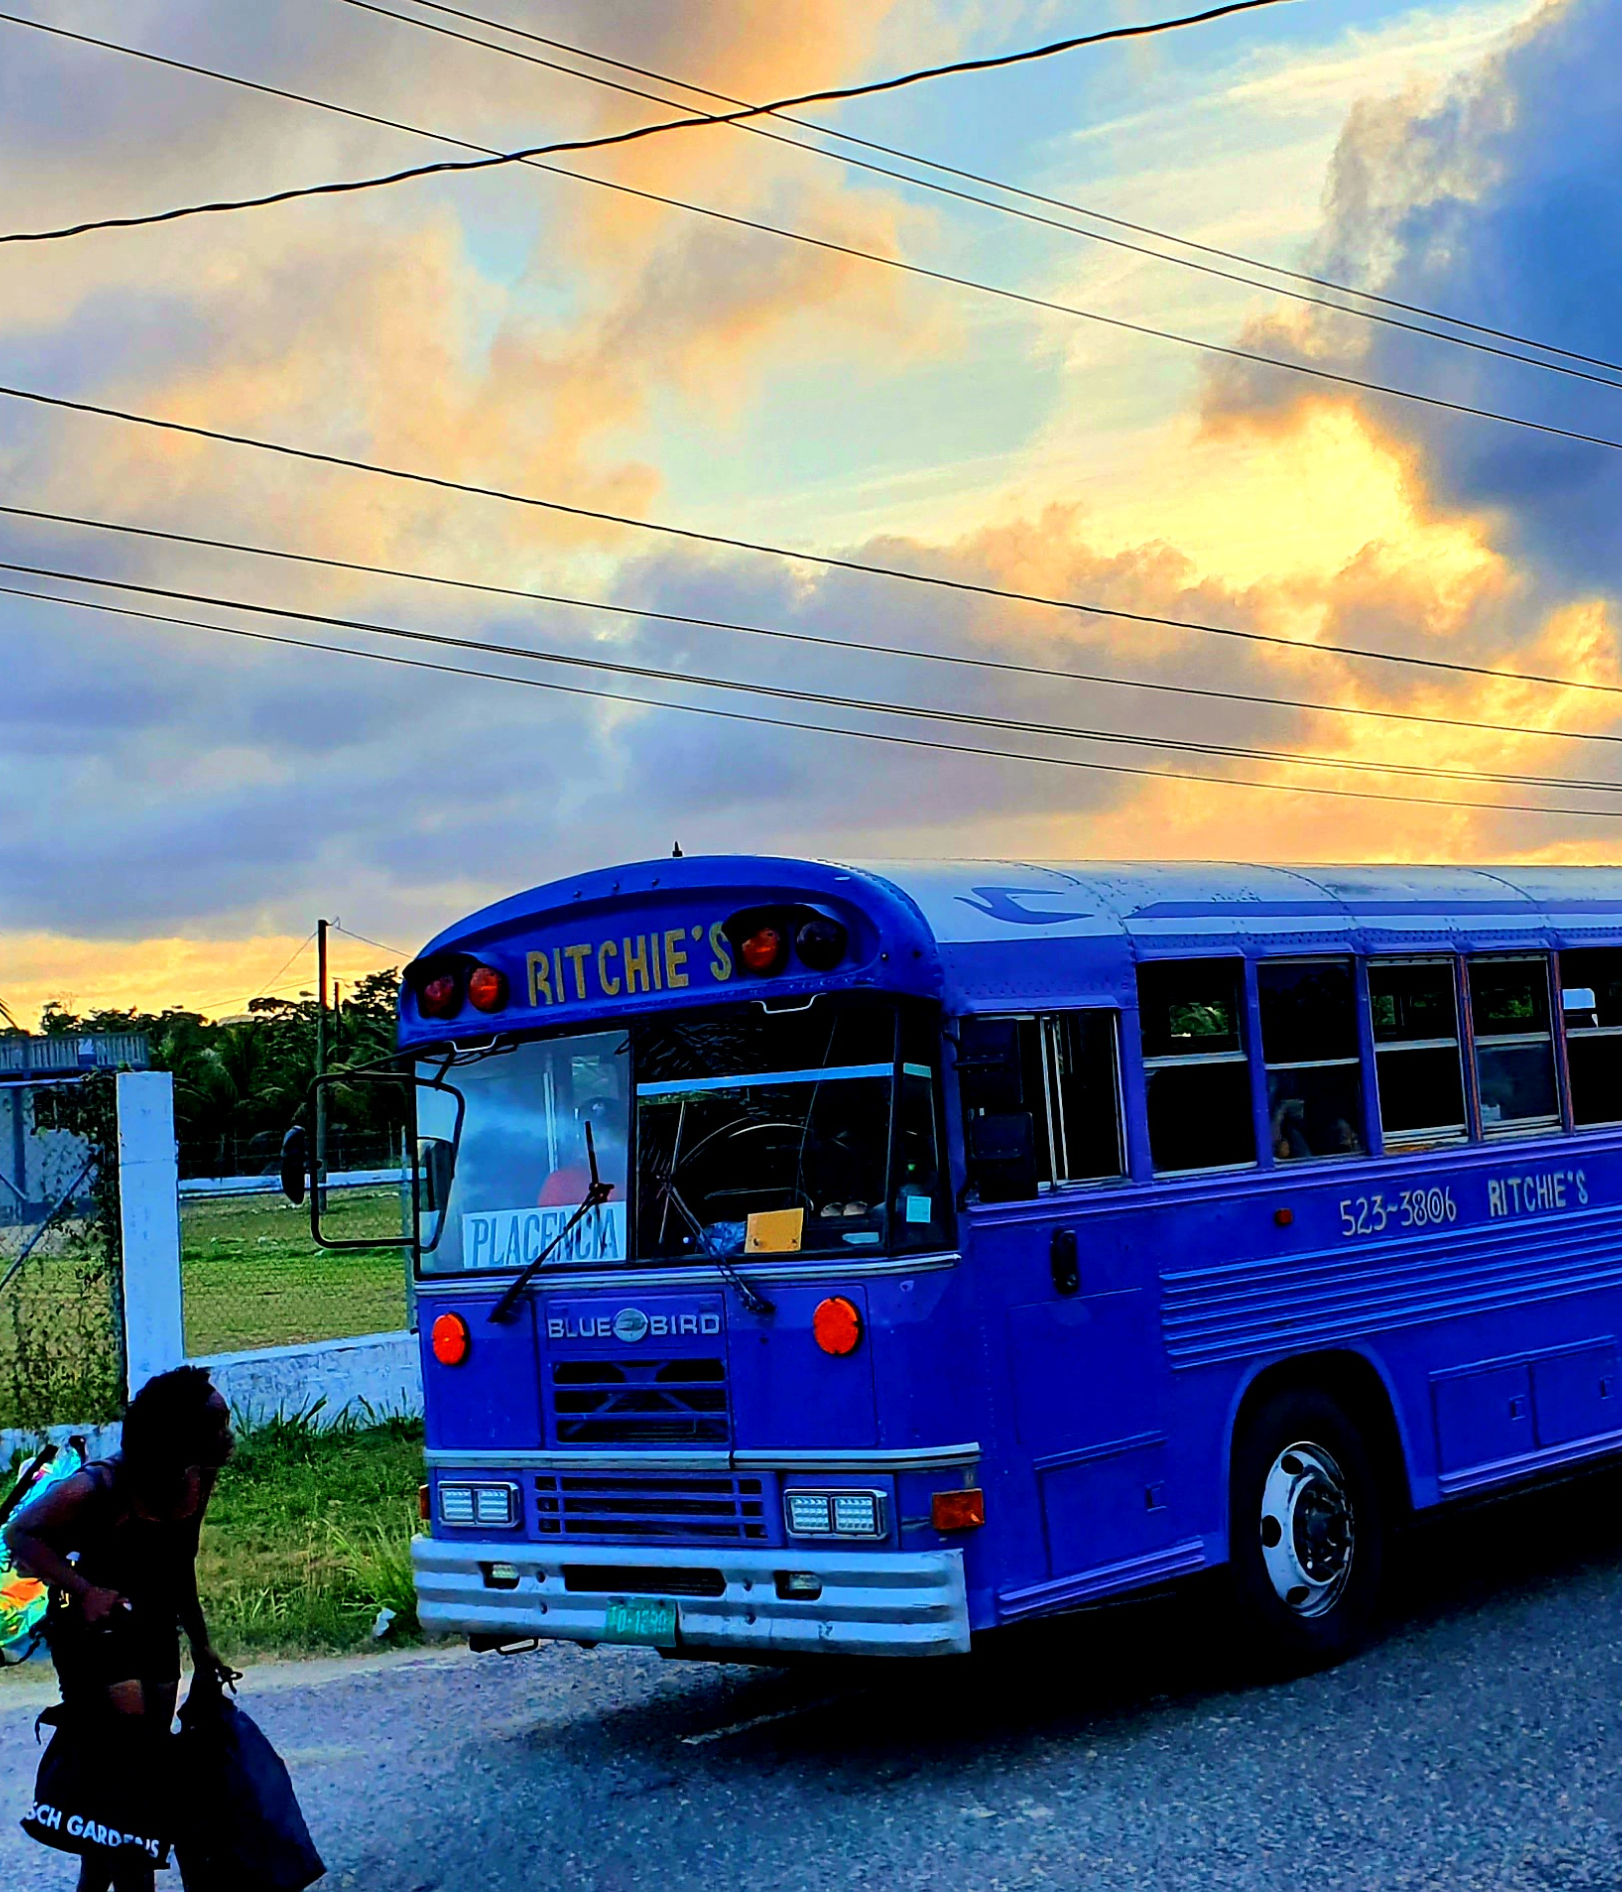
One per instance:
[(309, 1535), (253, 1277)]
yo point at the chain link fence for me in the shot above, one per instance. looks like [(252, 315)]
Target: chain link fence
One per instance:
[(228, 1158), (61, 1310), (252, 1276)]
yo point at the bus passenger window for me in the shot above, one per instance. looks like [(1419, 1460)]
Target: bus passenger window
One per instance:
[(1591, 1001), (1042, 1088), (1309, 1046), (1509, 1008), (1418, 1066), (1196, 1073), (1085, 1095), (999, 1079)]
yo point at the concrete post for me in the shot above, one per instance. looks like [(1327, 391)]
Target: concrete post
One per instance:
[(149, 1214)]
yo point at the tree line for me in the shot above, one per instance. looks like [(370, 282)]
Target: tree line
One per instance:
[(239, 1082)]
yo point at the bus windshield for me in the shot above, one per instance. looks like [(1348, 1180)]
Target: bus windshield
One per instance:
[(521, 1166), (771, 1132), (755, 1132)]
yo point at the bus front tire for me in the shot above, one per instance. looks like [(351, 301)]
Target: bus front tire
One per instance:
[(1306, 1533)]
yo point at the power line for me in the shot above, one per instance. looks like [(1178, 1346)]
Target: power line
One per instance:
[(1253, 356), (961, 196), (825, 561), (340, 187), (1121, 323), (399, 952), (1015, 190), (275, 978), (1006, 666), (823, 699), (824, 729), (203, 1005)]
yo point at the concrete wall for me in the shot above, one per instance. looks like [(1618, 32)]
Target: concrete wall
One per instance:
[(376, 1375), (18, 1442)]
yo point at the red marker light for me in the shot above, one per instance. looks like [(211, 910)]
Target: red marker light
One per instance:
[(451, 1341), (764, 949), (821, 944), (487, 988), (441, 997), (836, 1326)]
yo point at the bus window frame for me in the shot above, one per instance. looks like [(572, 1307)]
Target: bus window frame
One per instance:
[(1584, 1032), (1351, 961), (1249, 1021), (1048, 1023), (1053, 1024), (1523, 1128), (1416, 1142)]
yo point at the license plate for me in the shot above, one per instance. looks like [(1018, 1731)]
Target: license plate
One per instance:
[(645, 1621)]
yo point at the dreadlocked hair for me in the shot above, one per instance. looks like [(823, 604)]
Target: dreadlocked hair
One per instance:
[(167, 1429)]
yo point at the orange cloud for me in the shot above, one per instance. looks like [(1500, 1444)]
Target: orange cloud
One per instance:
[(217, 977)]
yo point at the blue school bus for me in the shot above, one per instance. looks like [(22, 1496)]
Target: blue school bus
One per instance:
[(851, 1259)]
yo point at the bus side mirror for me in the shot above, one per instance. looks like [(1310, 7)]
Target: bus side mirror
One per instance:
[(436, 1163), (295, 1164), (382, 1159)]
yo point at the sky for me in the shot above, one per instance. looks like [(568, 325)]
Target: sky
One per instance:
[(178, 804)]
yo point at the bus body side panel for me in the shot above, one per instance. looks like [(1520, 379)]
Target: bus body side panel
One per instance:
[(1481, 1285), (1492, 1315)]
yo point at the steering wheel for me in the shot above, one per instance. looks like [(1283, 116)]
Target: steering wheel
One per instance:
[(808, 1140)]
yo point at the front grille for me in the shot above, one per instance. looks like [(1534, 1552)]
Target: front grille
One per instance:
[(621, 1580), (656, 1510), (640, 1402)]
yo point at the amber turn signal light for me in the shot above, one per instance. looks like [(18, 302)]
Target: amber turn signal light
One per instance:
[(836, 1326), (424, 1506), (451, 1340), (958, 1510)]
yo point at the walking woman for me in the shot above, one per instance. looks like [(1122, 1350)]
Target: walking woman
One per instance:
[(117, 1543)]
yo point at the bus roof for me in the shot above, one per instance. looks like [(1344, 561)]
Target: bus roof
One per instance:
[(1097, 918), (988, 934)]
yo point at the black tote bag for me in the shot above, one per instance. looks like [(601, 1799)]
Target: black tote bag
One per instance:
[(243, 1831), (98, 1788)]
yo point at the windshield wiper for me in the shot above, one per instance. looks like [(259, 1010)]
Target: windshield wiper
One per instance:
[(752, 1298), (596, 1196)]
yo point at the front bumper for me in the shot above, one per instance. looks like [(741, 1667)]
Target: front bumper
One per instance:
[(873, 1602)]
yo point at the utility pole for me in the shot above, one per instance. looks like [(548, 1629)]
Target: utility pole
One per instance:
[(319, 1167), (321, 998)]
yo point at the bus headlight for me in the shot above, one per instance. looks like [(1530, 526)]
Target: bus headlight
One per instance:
[(492, 1506), (834, 1513)]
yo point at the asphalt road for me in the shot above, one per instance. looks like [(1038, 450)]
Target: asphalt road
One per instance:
[(1478, 1744)]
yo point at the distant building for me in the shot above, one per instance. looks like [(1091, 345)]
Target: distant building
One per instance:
[(38, 1167)]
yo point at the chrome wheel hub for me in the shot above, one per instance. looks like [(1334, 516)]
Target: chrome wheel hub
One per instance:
[(1307, 1529)]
